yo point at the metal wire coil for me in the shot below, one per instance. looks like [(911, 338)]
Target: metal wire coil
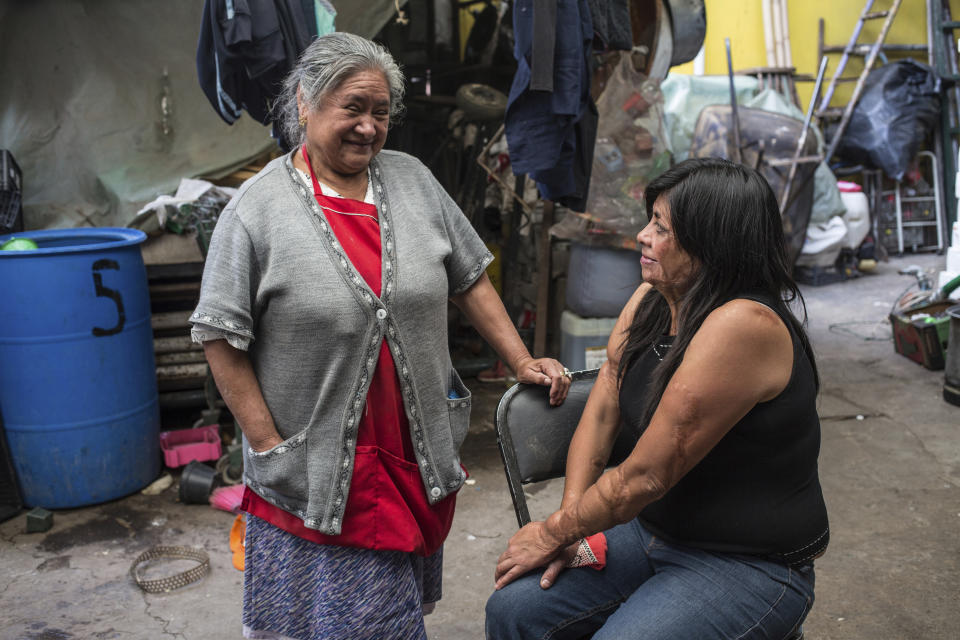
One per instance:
[(163, 585)]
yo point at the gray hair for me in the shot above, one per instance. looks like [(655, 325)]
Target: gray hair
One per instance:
[(324, 66)]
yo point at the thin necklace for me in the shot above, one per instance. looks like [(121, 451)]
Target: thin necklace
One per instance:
[(663, 346)]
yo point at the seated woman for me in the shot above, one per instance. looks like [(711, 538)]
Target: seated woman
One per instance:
[(714, 520)]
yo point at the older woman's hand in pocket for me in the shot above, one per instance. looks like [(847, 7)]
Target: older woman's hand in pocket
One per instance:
[(545, 371)]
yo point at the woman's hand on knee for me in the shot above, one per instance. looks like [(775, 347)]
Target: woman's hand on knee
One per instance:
[(529, 548)]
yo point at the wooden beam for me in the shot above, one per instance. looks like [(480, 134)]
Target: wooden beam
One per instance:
[(543, 281)]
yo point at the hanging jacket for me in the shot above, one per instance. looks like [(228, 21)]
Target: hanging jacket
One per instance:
[(245, 50), (551, 120)]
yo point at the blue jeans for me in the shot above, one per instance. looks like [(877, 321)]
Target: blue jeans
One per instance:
[(654, 590)]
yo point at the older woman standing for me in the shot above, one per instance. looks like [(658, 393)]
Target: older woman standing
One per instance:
[(323, 317), (713, 521)]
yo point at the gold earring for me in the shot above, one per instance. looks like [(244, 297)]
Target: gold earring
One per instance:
[(302, 120)]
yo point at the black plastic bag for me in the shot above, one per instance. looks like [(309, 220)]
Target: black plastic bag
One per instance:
[(897, 110)]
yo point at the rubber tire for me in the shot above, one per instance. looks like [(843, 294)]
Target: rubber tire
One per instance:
[(481, 102), (951, 394)]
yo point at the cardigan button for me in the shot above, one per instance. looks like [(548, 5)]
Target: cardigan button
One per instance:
[(435, 492), (381, 313)]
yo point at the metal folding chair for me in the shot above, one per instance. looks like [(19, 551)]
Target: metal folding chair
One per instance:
[(534, 437)]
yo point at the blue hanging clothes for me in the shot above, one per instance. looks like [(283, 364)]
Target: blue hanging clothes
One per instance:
[(551, 119), (244, 52), (309, 18)]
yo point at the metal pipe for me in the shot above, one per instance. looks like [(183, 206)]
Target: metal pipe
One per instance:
[(803, 135), (777, 34), (768, 33), (864, 49), (735, 116), (785, 34)]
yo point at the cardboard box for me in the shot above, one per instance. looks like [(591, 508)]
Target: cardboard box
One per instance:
[(923, 339)]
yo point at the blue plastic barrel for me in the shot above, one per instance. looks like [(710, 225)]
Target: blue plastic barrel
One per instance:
[(78, 386)]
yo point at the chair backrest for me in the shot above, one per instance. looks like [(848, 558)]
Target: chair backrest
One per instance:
[(534, 437)]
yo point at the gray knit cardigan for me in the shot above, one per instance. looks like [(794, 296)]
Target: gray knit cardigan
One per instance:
[(276, 274)]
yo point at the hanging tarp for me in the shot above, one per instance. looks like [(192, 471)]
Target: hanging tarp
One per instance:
[(102, 109), (101, 106)]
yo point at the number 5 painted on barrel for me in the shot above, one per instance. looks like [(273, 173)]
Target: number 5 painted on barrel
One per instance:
[(107, 292)]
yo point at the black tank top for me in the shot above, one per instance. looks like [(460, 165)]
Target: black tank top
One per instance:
[(757, 491)]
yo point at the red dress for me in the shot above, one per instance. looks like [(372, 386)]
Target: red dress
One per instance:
[(387, 507)]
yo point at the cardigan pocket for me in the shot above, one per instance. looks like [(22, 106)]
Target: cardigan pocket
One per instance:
[(281, 469), (458, 407)]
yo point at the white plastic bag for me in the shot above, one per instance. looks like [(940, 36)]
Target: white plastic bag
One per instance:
[(823, 243)]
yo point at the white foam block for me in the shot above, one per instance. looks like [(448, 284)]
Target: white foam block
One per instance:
[(953, 259), (947, 276)]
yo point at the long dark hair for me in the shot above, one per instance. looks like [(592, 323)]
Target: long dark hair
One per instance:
[(726, 217)]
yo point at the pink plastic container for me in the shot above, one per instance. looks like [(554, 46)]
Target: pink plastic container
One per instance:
[(183, 445)]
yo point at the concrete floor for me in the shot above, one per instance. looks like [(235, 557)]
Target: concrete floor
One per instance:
[(890, 468)]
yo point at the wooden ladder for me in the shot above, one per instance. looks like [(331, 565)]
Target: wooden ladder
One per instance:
[(854, 48)]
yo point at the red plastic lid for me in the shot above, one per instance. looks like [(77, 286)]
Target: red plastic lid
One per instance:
[(848, 187)]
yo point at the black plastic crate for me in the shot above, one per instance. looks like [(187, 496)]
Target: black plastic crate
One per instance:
[(11, 190), (10, 500)]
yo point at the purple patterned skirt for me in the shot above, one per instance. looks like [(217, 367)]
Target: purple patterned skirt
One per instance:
[(298, 589)]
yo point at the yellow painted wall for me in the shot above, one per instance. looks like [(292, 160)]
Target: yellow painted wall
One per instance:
[(742, 22)]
